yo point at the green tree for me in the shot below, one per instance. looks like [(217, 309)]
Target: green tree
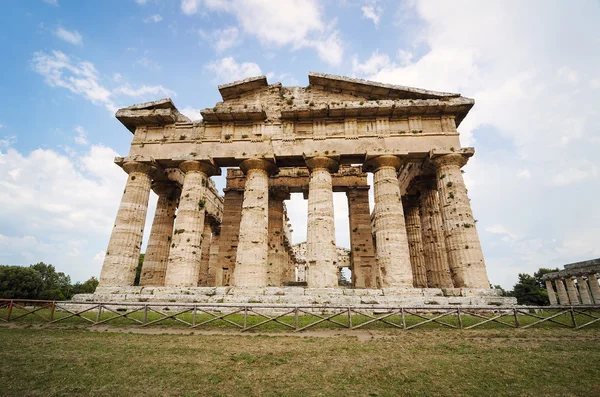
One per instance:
[(56, 285), (529, 292), (20, 282), (538, 276), (87, 287)]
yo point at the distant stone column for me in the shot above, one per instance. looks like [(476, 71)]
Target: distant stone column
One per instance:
[(229, 238), (185, 254), (389, 226), (205, 254), (434, 245), (563, 298), (252, 253), (551, 293), (572, 291), (276, 262), (462, 241), (412, 218), (364, 266), (156, 258), (321, 252), (584, 291), (214, 255), (123, 252), (594, 288)]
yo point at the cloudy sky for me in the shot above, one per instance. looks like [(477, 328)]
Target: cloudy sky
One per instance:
[(533, 68)]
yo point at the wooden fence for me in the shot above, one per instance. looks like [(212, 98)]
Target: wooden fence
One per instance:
[(246, 317)]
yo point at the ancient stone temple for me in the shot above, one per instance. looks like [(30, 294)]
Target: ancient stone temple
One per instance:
[(576, 284), (420, 239)]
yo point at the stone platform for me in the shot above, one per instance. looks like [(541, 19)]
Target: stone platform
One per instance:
[(301, 296)]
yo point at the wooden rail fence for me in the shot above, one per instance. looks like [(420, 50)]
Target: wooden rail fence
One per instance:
[(246, 317)]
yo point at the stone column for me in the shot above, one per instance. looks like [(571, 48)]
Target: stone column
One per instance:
[(551, 294), (563, 298), (594, 288), (321, 252), (230, 232), (364, 266), (252, 254), (412, 218), (156, 258), (389, 227), (205, 253), (434, 245), (462, 241), (276, 262), (572, 291), (184, 257), (214, 255), (584, 291), (123, 252)]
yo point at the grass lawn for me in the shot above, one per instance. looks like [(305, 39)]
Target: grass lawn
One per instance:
[(487, 362)]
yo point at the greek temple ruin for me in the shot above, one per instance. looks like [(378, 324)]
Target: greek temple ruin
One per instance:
[(576, 284), (419, 241)]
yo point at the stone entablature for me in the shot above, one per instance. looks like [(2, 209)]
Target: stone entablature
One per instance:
[(301, 139)]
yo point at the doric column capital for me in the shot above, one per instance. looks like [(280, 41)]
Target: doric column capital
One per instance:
[(321, 162), (136, 166), (165, 188), (457, 159), (385, 161), (198, 166), (258, 164)]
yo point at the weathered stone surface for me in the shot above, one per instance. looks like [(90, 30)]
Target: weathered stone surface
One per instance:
[(572, 292), (551, 293), (159, 243), (462, 241), (563, 298), (389, 228), (320, 236), (205, 254), (365, 273), (594, 288), (123, 252), (412, 218), (276, 256), (252, 254), (228, 241), (185, 254), (584, 291)]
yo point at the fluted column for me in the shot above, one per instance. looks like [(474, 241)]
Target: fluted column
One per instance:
[(462, 241), (252, 251), (214, 255), (229, 238), (572, 291), (434, 244), (276, 261), (321, 253), (156, 258), (551, 293), (584, 291), (123, 252), (594, 288), (185, 256), (389, 226), (365, 272), (563, 298), (412, 218), (204, 254)]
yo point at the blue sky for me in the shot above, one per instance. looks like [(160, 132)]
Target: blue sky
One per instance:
[(533, 68)]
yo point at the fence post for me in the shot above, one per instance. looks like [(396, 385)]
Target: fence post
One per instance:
[(10, 306), (459, 314), (245, 317), (145, 313), (296, 315), (403, 318), (99, 313), (516, 314), (349, 319), (194, 316), (573, 317), (53, 305)]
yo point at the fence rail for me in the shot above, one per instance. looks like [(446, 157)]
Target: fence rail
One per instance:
[(246, 317)]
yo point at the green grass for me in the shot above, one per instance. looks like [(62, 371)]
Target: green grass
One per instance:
[(534, 362)]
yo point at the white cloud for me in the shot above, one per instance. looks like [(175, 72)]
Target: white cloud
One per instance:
[(79, 77), (143, 91), (227, 70), (51, 2), (222, 39), (81, 137), (69, 36), (192, 113), (372, 12), (525, 174), (299, 23), (374, 64), (153, 18), (573, 175), (82, 78), (141, 2), (2, 126)]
